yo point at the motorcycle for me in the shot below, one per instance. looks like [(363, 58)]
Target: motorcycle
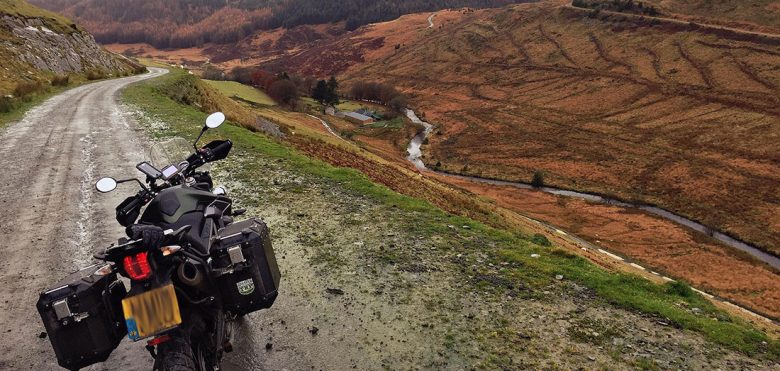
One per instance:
[(193, 271)]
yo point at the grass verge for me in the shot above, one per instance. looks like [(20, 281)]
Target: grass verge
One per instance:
[(528, 264)]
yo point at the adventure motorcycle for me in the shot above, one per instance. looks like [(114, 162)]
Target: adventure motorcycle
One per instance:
[(193, 271)]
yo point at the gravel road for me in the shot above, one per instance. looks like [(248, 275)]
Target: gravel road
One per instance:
[(53, 219)]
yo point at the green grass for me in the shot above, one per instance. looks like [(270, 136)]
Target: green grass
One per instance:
[(241, 91), (395, 123), (670, 302), (349, 105)]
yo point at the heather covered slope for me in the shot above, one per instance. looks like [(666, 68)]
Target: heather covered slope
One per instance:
[(188, 23), (640, 109)]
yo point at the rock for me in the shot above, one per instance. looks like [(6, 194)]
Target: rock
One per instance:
[(618, 342), (334, 291), (559, 277), (592, 358), (535, 255)]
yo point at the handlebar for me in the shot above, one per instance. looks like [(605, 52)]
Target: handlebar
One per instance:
[(134, 246)]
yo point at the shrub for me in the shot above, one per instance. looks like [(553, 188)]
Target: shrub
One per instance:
[(284, 92), (6, 104), (398, 103), (213, 73), (95, 75), (538, 179), (60, 80), (679, 288), (540, 240), (26, 88)]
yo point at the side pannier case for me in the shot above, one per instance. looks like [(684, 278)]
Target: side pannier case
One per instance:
[(83, 316), (244, 267)]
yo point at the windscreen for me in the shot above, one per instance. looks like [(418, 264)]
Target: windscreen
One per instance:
[(171, 151)]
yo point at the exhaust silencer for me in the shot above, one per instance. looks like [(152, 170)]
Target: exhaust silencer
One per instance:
[(190, 273)]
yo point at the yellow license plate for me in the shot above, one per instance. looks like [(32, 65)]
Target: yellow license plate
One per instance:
[(152, 312)]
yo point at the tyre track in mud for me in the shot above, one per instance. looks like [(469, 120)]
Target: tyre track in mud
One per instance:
[(53, 220)]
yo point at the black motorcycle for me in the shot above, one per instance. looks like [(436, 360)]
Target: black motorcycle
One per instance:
[(193, 271)]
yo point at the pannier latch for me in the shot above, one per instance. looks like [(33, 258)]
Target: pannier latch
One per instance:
[(63, 313), (61, 309), (235, 254)]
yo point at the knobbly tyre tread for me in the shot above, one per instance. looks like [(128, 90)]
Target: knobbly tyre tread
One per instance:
[(175, 355)]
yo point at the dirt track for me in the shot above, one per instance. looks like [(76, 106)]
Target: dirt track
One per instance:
[(52, 218)]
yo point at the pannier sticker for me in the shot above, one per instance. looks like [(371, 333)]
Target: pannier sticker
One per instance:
[(246, 287)]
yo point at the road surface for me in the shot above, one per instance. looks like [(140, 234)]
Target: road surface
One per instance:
[(52, 220)]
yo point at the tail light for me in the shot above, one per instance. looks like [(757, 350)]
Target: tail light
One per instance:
[(137, 266)]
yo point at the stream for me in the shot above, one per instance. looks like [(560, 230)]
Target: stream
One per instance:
[(415, 157)]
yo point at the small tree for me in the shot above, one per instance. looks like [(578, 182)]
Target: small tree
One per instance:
[(398, 103), (213, 73), (332, 95), (320, 92), (538, 179), (284, 91)]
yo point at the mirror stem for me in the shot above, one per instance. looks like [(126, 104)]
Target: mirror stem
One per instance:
[(133, 179), (195, 145)]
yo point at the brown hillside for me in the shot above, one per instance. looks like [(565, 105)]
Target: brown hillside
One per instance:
[(639, 109), (754, 14)]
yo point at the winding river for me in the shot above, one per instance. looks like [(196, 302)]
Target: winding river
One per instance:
[(415, 157)]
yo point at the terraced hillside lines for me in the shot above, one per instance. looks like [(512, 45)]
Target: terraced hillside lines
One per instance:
[(672, 117)]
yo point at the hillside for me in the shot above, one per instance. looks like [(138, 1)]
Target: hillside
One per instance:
[(638, 108), (373, 277), (40, 49), (760, 15), (187, 23), (656, 111)]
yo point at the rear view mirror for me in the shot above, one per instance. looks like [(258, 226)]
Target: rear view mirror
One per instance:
[(148, 169), (106, 185), (214, 120)]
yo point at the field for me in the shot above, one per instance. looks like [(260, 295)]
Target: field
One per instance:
[(247, 93), (391, 254)]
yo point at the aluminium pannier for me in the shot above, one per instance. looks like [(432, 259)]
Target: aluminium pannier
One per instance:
[(83, 316), (244, 267)]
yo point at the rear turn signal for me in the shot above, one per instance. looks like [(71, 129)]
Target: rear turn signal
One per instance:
[(137, 266)]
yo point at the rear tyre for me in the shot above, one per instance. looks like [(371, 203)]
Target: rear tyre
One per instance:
[(175, 355)]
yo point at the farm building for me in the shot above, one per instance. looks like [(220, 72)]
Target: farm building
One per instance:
[(357, 118)]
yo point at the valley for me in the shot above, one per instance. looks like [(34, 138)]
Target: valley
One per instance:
[(645, 110), (628, 147)]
